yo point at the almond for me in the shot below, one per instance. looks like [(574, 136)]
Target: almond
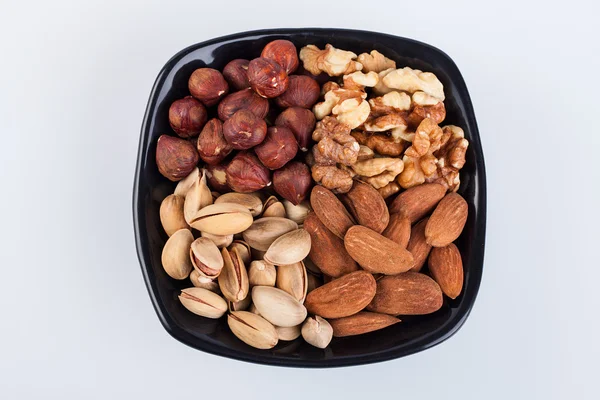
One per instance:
[(447, 221), (398, 229), (343, 296), (411, 293), (328, 253), (445, 265), (418, 201), (376, 253), (360, 323), (330, 211), (418, 246), (367, 206)]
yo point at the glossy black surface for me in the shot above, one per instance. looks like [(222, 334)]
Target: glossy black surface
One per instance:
[(413, 334)]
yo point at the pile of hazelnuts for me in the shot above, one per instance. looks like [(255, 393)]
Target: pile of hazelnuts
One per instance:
[(263, 123)]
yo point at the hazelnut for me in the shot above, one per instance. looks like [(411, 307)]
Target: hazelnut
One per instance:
[(246, 174), (208, 86), (187, 116), (278, 148), (236, 74), (303, 91), (217, 178), (293, 182), (175, 157), (245, 99), (211, 144), (284, 53), (244, 130), (267, 78), (301, 122)]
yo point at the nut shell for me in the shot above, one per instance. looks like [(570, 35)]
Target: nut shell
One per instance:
[(171, 214), (176, 158), (252, 329), (293, 182), (212, 146), (236, 74), (245, 99), (244, 130), (267, 78), (284, 53), (187, 116), (175, 255), (301, 122), (208, 86), (289, 248), (302, 91), (277, 148), (245, 173)]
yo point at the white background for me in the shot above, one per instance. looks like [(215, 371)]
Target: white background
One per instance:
[(75, 318)]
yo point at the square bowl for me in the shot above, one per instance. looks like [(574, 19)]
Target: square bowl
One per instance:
[(413, 334)]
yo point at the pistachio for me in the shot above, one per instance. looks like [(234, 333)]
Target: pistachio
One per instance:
[(219, 240), (171, 214), (222, 219), (233, 280), (243, 250), (197, 197), (249, 200), (288, 333), (241, 305), (261, 273), (175, 255), (206, 258), (277, 306), (273, 208), (290, 248), (186, 183), (252, 329), (204, 282), (293, 280), (317, 332), (264, 231), (296, 213), (203, 302)]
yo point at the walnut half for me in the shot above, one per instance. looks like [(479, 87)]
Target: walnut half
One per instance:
[(334, 62)]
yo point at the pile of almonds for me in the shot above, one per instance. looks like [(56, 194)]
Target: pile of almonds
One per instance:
[(260, 242)]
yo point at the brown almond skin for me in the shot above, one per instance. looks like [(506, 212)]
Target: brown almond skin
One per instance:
[(367, 206), (446, 267), (411, 293), (330, 211), (398, 229), (418, 246), (447, 221), (360, 323), (376, 253), (343, 296), (418, 201), (329, 255)]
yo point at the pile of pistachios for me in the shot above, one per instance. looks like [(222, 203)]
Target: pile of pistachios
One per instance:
[(246, 256)]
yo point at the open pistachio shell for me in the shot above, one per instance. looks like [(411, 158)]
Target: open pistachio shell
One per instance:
[(197, 197), (277, 306), (222, 219), (252, 329), (251, 201), (206, 257), (293, 280), (219, 240), (186, 183), (243, 249), (203, 302), (233, 279), (261, 273)]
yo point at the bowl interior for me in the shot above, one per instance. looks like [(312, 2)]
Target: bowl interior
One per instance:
[(414, 333)]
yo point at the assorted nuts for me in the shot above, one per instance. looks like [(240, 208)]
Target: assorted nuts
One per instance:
[(285, 226)]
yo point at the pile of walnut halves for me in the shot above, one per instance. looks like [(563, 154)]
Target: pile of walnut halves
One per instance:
[(380, 124)]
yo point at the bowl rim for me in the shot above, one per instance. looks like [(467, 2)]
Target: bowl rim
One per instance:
[(419, 344)]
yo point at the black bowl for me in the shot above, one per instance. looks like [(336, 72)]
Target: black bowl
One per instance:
[(410, 336)]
